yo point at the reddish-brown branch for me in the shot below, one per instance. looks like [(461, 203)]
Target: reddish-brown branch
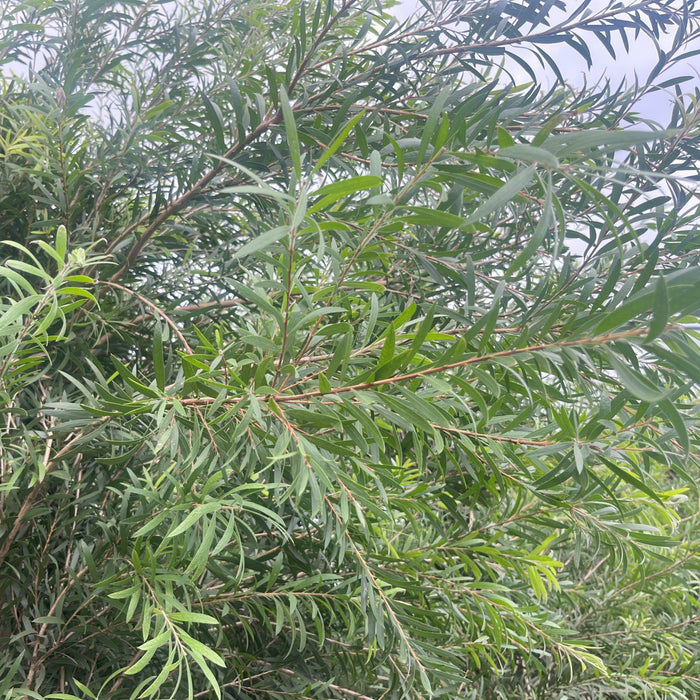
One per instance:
[(598, 340), (304, 397), (34, 494), (272, 117), (156, 311)]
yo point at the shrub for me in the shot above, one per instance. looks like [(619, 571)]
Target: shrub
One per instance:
[(337, 363)]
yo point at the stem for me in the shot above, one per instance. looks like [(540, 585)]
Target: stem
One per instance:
[(598, 340), (34, 494), (156, 310)]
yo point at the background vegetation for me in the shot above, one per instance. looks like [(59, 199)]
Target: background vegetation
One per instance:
[(336, 363)]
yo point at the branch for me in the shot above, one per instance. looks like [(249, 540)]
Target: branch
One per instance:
[(319, 39), (598, 340), (36, 660), (421, 29), (178, 204), (157, 311), (34, 494), (188, 308), (272, 117)]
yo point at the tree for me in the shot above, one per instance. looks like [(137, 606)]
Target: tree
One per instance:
[(337, 363)]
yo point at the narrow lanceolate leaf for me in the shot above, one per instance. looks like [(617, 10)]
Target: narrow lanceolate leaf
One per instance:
[(661, 310), (388, 347), (77, 292), (156, 642), (290, 128), (193, 517), (202, 649), (338, 141), (324, 386), (199, 618), (432, 123), (538, 235), (158, 360), (334, 191), (678, 423), (84, 688), (530, 154), (263, 241), (131, 379), (505, 140), (142, 662), (638, 385), (216, 120), (425, 327), (61, 242), (503, 196), (432, 217)]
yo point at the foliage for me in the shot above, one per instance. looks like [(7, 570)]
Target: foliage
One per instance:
[(337, 363)]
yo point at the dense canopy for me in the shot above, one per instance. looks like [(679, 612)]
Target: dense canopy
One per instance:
[(347, 357)]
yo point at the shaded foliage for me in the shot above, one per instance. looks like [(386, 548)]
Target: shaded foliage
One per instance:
[(337, 363)]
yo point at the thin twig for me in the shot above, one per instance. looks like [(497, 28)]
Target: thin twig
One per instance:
[(34, 493), (598, 340), (158, 311)]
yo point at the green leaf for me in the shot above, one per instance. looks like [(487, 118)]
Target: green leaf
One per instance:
[(199, 660), (503, 196), (530, 154), (324, 386), (48, 620), (84, 689), (504, 138), (262, 242), (335, 191), (18, 279), (15, 312), (158, 361), (290, 128), (674, 416), (338, 141), (198, 618), (157, 641), (131, 379), (34, 270), (431, 123), (202, 649), (432, 217), (538, 235), (421, 334), (631, 479), (388, 347), (348, 186), (639, 386), (78, 292), (193, 517), (61, 242), (216, 119), (142, 662), (661, 311)]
